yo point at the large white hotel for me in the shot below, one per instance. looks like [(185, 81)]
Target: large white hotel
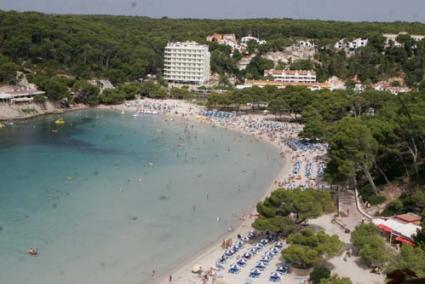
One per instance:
[(186, 63)]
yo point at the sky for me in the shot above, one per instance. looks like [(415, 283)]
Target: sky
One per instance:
[(349, 10)]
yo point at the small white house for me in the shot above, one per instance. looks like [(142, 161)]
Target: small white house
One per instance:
[(357, 43), (246, 39)]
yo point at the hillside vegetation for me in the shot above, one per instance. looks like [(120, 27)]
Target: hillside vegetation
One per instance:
[(126, 48)]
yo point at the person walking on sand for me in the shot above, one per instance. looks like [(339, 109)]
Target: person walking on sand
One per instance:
[(170, 279)]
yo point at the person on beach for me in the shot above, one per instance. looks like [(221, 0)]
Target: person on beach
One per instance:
[(170, 279)]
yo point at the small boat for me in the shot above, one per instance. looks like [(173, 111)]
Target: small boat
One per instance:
[(59, 121), (32, 251)]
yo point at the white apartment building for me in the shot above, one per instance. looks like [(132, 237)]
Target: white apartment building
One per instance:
[(186, 63), (392, 38), (246, 39), (291, 76), (357, 43)]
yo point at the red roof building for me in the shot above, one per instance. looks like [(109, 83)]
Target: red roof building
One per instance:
[(411, 218)]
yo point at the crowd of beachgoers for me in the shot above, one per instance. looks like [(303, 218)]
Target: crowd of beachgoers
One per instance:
[(306, 157), (250, 257)]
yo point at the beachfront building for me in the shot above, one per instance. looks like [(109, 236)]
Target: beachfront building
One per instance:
[(18, 94), (186, 63), (399, 228), (281, 85), (291, 76), (354, 44)]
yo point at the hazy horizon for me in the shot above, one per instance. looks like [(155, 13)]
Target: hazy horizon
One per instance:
[(340, 10)]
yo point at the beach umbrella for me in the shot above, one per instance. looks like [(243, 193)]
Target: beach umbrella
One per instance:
[(266, 258), (196, 268), (256, 271), (235, 266), (282, 269), (247, 255), (241, 262)]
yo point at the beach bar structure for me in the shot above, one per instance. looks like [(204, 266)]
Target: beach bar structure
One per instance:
[(399, 228), (18, 94)]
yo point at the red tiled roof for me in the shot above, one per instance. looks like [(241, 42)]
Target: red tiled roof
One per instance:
[(408, 217)]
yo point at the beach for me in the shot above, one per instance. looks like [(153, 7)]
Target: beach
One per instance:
[(290, 176)]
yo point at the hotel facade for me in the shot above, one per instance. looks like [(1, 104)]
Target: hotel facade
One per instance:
[(186, 63), (291, 76)]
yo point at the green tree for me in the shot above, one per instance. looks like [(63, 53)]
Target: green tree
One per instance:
[(291, 208), (308, 248), (179, 93), (112, 96), (278, 106), (255, 69), (412, 258), (336, 280), (153, 90), (55, 88), (371, 246), (130, 90), (85, 93), (352, 148), (319, 273), (7, 71)]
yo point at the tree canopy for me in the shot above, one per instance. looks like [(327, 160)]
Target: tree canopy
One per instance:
[(308, 248), (285, 210)]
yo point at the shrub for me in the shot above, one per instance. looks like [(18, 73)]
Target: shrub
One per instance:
[(319, 273), (369, 196), (39, 99)]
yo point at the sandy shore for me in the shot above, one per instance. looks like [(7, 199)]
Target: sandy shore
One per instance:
[(208, 256)]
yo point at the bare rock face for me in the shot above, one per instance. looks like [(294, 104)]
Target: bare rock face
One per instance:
[(26, 110)]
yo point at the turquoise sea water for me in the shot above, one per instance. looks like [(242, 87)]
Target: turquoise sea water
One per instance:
[(107, 197)]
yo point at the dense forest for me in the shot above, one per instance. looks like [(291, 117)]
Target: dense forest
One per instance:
[(375, 138), (127, 48)]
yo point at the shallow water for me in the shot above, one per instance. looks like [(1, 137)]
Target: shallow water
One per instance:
[(107, 197)]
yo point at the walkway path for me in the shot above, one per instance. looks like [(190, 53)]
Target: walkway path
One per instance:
[(351, 267)]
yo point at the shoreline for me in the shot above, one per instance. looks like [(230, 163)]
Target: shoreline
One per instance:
[(212, 251), (208, 254)]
